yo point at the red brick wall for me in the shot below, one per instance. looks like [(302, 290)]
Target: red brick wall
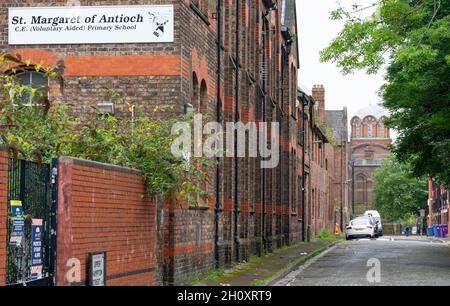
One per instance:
[(105, 208), (3, 211), (188, 247)]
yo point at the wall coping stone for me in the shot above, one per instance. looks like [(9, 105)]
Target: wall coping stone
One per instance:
[(98, 165)]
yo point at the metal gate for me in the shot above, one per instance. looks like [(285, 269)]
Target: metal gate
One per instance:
[(30, 262)]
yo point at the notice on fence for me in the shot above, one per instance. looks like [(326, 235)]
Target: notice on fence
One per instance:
[(18, 224), (36, 249), (16, 209), (91, 24)]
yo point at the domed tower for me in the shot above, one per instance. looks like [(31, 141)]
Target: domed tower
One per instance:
[(370, 140)]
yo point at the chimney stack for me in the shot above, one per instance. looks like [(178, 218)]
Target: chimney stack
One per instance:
[(318, 94)]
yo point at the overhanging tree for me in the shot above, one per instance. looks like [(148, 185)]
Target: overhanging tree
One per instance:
[(413, 39), (398, 193)]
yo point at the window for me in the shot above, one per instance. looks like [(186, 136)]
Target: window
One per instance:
[(382, 131), (202, 5), (370, 130), (195, 98), (293, 186), (293, 91), (36, 80), (200, 105), (300, 128), (265, 44), (284, 61), (203, 109)]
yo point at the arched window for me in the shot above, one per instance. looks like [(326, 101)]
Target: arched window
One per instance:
[(370, 129), (293, 187), (36, 80), (361, 186), (195, 99), (356, 128), (382, 128), (200, 104), (203, 98)]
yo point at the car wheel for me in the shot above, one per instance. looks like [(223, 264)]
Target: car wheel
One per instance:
[(348, 237)]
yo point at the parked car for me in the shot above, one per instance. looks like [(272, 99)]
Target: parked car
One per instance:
[(376, 215), (361, 227)]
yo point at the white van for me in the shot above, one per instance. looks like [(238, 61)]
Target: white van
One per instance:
[(376, 215)]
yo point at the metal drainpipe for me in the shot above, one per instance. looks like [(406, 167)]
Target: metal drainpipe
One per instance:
[(342, 186), (353, 189), (303, 172), (263, 176), (308, 230), (281, 197), (218, 118), (236, 120), (283, 59)]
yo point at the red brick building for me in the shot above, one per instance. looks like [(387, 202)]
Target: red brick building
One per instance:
[(337, 120), (250, 76), (438, 204), (327, 161), (370, 140)]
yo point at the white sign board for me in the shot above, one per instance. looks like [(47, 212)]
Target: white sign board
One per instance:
[(91, 24), (422, 213), (98, 270)]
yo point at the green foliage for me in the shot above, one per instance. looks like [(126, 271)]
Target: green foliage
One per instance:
[(35, 132), (326, 131), (324, 235), (413, 39), (46, 130), (398, 193), (410, 220)]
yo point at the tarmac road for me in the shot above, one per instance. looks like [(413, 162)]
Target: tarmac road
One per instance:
[(387, 261)]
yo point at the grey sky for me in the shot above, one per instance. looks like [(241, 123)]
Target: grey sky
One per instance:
[(316, 31)]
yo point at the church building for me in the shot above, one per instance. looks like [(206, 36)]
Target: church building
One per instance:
[(370, 141)]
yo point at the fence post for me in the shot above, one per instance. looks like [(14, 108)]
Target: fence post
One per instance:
[(53, 222)]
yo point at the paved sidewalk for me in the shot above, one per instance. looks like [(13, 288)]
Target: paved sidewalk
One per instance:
[(445, 240), (423, 238), (411, 238), (267, 269)]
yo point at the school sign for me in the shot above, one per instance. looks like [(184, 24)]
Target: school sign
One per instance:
[(91, 24)]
